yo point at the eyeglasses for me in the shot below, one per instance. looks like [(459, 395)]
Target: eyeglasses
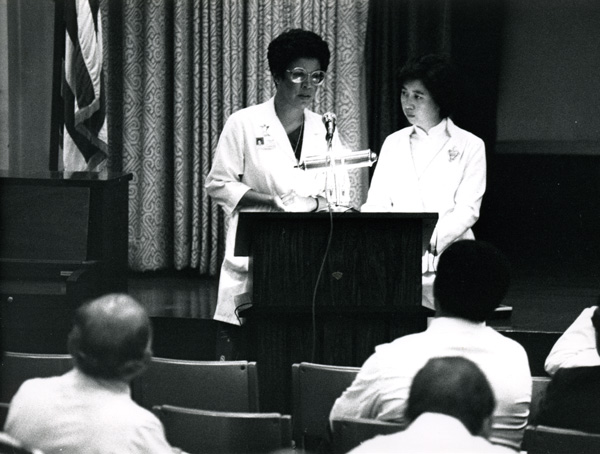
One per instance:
[(299, 75)]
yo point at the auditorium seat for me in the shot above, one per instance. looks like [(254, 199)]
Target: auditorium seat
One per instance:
[(3, 413), (538, 388), (207, 385), (18, 367), (553, 440), (315, 387), (348, 433), (216, 432)]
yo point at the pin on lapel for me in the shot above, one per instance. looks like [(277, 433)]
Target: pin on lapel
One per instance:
[(452, 154)]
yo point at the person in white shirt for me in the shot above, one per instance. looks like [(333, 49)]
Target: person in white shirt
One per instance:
[(433, 165), (449, 409), (89, 409), (472, 279), (576, 347), (570, 400)]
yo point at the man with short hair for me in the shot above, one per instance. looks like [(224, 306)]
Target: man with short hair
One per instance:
[(449, 410), (89, 409), (472, 279)]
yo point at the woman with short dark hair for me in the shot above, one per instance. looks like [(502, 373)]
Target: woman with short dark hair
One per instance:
[(433, 165), (257, 165)]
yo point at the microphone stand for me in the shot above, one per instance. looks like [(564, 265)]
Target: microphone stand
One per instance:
[(336, 191), (332, 193)]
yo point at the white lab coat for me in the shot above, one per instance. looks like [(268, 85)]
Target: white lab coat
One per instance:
[(452, 185), (254, 152)]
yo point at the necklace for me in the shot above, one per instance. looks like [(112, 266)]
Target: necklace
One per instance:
[(298, 140)]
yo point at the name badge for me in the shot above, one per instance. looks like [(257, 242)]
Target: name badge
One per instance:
[(265, 143)]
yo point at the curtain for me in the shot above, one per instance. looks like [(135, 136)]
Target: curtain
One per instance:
[(469, 32), (175, 71)]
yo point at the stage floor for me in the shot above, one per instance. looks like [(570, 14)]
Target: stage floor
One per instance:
[(544, 298)]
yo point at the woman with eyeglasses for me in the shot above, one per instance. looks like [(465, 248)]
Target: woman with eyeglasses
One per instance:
[(432, 165), (258, 161)]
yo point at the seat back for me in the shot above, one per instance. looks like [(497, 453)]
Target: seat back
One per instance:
[(194, 430), (538, 389), (348, 433), (315, 387), (553, 440), (3, 413), (19, 367), (207, 385)]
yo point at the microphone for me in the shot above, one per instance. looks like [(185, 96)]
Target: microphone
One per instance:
[(329, 122)]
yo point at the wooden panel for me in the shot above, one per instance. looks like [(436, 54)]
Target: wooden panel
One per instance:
[(63, 240), (372, 261), (44, 223)]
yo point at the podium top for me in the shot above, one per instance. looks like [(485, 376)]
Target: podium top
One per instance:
[(251, 220)]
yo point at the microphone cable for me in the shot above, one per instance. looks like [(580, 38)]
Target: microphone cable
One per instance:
[(319, 275)]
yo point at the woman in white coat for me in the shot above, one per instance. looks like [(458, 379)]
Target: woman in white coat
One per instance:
[(256, 166), (433, 165)]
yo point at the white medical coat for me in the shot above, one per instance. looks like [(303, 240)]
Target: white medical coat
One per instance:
[(254, 152), (452, 185)]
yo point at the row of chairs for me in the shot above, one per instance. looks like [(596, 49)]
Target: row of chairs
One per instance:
[(229, 400), (224, 391), (232, 385), (540, 439)]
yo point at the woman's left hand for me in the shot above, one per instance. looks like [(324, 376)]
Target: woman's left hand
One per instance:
[(293, 202)]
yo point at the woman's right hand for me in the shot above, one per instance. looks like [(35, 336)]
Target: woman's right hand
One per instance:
[(277, 203)]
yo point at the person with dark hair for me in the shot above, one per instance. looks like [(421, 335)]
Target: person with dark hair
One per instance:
[(449, 409), (259, 157), (433, 165), (571, 398), (472, 279), (89, 409)]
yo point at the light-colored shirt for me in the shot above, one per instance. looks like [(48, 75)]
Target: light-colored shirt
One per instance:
[(430, 433), (77, 414), (381, 388), (425, 145), (577, 345)]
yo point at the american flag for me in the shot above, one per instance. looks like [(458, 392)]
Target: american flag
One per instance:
[(84, 135)]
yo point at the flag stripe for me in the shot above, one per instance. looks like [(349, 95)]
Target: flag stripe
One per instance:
[(83, 91)]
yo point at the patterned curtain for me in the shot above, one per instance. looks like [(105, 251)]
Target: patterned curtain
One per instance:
[(175, 71)]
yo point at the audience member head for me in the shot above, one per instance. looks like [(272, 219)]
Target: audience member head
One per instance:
[(472, 279), (111, 338), (438, 75), (294, 44), (453, 386)]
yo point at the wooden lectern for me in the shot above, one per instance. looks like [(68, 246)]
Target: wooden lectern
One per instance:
[(328, 288)]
